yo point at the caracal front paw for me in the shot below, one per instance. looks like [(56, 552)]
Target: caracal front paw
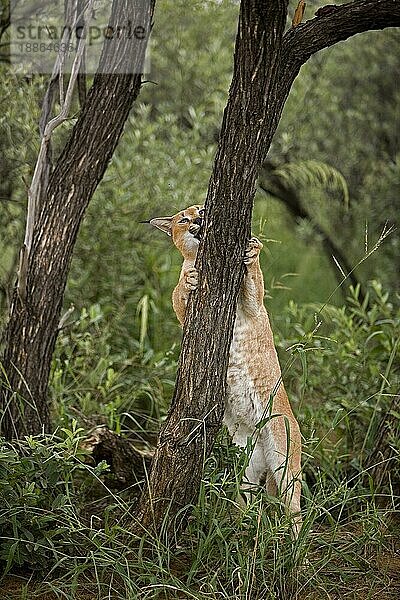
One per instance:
[(191, 279), (253, 249)]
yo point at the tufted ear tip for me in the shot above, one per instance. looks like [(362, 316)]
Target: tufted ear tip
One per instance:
[(162, 223)]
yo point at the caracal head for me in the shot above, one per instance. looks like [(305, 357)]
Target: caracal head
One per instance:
[(185, 229)]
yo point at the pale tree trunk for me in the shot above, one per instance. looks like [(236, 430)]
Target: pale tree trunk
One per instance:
[(33, 322), (266, 63)]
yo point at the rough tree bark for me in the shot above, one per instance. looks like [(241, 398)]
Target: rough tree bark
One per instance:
[(265, 65), (33, 324)]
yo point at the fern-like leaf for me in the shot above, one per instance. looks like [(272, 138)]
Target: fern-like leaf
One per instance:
[(314, 173)]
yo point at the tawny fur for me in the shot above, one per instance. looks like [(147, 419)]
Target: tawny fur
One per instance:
[(255, 388)]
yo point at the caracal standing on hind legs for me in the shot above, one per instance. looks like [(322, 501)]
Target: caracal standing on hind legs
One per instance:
[(255, 390)]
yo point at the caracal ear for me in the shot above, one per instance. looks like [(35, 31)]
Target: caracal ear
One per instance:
[(163, 223)]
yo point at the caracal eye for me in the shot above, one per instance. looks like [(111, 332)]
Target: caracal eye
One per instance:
[(184, 220)]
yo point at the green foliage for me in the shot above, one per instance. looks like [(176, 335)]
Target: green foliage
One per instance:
[(346, 381), (116, 355), (338, 115), (342, 372), (303, 174), (144, 263), (39, 502), (18, 119), (125, 389)]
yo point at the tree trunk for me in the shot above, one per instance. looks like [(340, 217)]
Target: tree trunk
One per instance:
[(265, 66), (33, 324), (250, 119)]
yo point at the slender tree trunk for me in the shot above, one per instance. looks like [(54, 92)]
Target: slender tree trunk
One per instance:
[(252, 113), (265, 66), (33, 323)]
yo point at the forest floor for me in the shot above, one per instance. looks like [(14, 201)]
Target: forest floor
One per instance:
[(380, 583)]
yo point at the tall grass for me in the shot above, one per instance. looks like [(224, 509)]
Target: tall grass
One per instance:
[(63, 520)]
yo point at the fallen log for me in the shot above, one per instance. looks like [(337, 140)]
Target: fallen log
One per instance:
[(127, 463)]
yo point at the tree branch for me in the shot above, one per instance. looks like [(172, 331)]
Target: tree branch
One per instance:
[(337, 23), (35, 191), (274, 186)]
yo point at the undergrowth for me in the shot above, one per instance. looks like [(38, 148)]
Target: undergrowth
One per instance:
[(63, 525)]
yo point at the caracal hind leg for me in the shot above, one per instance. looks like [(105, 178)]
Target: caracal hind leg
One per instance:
[(284, 463), (255, 470)]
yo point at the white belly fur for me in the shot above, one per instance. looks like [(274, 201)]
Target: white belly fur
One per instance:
[(246, 405), (247, 399)]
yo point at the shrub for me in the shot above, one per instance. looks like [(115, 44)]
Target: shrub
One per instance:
[(345, 381), (39, 516)]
